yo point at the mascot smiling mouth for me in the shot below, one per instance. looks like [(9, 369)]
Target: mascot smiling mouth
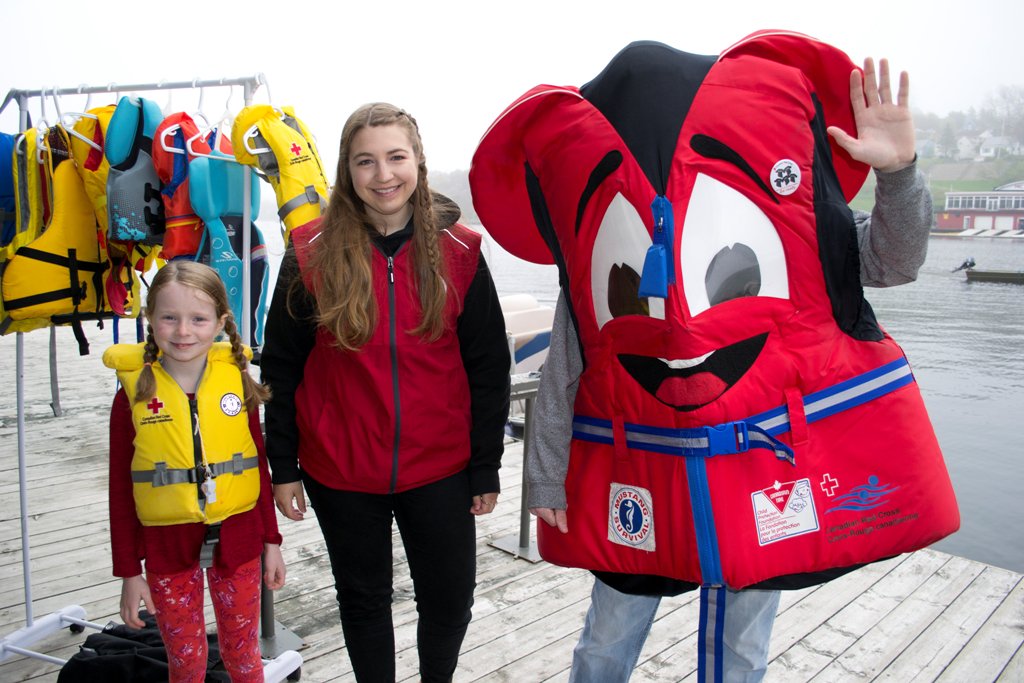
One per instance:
[(690, 384)]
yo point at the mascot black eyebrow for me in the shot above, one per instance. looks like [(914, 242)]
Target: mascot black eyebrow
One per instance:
[(742, 419)]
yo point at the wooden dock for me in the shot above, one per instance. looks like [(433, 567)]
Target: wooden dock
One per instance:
[(926, 616)]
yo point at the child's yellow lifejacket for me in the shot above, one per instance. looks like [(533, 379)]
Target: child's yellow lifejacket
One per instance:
[(280, 146), (171, 456)]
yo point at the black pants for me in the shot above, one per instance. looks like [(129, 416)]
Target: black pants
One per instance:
[(439, 535)]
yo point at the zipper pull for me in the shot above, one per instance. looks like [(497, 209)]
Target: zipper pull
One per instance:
[(391, 269)]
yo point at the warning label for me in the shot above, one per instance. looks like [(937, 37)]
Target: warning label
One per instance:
[(784, 510)]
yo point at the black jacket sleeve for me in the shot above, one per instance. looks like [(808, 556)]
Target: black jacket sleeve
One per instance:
[(485, 355), (289, 339)]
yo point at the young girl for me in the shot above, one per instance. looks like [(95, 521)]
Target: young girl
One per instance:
[(386, 352), (183, 498)]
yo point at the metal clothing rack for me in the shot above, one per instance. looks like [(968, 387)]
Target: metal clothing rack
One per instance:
[(277, 644)]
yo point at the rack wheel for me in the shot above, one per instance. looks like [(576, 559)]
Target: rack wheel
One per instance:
[(295, 675), (76, 628)]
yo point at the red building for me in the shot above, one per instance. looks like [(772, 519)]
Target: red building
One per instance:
[(990, 213)]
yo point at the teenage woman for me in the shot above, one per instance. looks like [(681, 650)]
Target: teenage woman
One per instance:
[(387, 357)]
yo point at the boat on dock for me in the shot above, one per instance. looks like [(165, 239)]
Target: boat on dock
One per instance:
[(528, 326)]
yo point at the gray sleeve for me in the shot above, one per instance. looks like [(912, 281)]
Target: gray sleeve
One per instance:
[(547, 452), (893, 239)]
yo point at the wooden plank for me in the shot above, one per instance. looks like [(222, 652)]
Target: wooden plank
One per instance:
[(934, 648), (838, 632), (996, 643), (898, 629)]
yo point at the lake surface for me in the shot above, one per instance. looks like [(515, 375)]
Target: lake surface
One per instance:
[(965, 343)]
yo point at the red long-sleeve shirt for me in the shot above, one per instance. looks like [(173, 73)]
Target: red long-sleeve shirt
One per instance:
[(175, 548)]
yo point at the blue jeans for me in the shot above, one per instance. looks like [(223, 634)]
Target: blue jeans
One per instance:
[(617, 625)]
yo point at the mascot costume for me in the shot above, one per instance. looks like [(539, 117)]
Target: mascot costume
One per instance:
[(742, 419)]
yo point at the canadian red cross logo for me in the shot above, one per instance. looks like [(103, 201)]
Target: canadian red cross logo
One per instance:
[(296, 150), (155, 405)]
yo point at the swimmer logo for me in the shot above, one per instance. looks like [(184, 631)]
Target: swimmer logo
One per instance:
[(631, 517)]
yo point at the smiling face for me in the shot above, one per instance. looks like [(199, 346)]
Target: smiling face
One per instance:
[(698, 215), (185, 325), (383, 168)]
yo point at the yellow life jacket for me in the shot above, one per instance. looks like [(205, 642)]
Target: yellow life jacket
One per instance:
[(120, 283), (59, 276), (91, 163), (284, 152), (28, 203), (171, 459), (28, 218)]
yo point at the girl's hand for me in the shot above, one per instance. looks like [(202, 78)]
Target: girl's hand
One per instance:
[(134, 590), (273, 566), (484, 504)]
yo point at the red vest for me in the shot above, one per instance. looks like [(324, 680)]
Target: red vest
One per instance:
[(741, 416), (395, 414)]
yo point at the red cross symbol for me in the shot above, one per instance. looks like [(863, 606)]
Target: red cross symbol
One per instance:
[(155, 405), (828, 485), (296, 150)]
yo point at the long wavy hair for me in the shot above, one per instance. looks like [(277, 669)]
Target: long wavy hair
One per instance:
[(341, 258), (205, 279)]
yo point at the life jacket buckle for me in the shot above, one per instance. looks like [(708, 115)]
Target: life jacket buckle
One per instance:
[(209, 544), (728, 438)]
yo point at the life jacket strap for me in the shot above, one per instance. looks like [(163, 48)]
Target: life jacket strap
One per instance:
[(210, 542), (758, 431), (309, 195), (729, 438), (162, 475)]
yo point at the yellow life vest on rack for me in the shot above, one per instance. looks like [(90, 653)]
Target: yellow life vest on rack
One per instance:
[(61, 272), (28, 218), (120, 283), (284, 153), (167, 456)]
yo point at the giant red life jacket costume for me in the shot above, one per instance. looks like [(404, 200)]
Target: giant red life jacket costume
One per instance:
[(742, 419), (370, 420)]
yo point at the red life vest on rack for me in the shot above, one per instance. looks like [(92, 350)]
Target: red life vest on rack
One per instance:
[(742, 417)]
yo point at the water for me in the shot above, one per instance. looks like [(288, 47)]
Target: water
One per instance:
[(965, 344)]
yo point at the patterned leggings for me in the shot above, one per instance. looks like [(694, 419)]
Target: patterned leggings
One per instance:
[(178, 600)]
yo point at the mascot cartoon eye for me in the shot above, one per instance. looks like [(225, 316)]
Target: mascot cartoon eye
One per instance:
[(619, 251), (729, 249)]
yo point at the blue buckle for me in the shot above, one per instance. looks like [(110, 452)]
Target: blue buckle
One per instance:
[(728, 438)]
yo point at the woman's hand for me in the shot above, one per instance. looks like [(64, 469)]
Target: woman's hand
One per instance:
[(484, 503), (290, 499)]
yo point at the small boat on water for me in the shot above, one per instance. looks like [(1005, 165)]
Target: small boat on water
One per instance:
[(1011, 276), (975, 275)]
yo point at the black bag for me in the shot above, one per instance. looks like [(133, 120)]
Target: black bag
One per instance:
[(121, 654)]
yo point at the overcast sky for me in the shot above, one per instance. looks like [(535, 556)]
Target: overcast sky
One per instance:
[(456, 65)]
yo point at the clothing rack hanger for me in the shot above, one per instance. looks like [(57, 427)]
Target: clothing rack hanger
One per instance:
[(283, 662)]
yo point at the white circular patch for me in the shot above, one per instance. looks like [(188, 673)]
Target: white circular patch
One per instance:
[(631, 519), (231, 404), (785, 177)]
